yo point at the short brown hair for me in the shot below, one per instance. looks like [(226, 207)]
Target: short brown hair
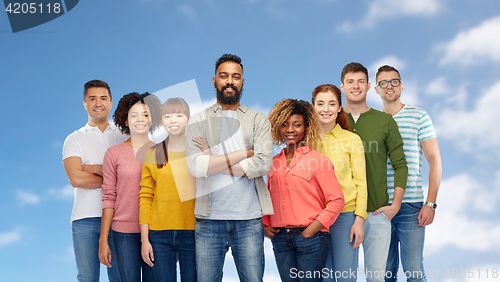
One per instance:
[(95, 83), (353, 67), (386, 68)]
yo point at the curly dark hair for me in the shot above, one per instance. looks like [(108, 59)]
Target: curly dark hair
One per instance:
[(128, 101), (288, 107), (228, 58)]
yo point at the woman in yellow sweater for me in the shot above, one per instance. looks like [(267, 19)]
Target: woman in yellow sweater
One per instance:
[(345, 150), (167, 196)]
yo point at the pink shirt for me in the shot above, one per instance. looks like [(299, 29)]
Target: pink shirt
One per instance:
[(304, 191), (121, 185)]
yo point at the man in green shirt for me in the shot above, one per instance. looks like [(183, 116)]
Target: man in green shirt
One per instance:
[(380, 135)]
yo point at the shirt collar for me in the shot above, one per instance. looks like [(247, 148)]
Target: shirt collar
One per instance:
[(336, 131), (216, 107), (303, 150), (89, 127)]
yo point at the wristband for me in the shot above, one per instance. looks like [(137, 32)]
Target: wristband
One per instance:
[(229, 165)]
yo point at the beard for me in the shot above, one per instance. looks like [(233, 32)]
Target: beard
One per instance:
[(229, 100)]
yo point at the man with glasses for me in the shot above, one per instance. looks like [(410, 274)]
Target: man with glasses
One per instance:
[(408, 225), (380, 136)]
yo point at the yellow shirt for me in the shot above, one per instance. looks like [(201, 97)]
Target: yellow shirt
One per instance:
[(167, 196), (346, 152)]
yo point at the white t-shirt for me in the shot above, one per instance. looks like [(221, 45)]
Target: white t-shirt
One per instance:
[(90, 144)]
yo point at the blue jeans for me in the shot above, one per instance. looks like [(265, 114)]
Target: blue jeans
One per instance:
[(376, 246), (86, 233), (410, 237), (299, 258), (343, 260), (129, 258), (168, 246), (213, 239)]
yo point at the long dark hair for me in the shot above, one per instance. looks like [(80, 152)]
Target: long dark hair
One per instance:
[(172, 105)]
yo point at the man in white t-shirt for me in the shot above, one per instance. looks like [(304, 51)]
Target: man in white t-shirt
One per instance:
[(83, 154), (419, 138)]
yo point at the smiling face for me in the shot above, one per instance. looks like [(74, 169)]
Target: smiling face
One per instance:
[(175, 123), (97, 103), (327, 107), (139, 119), (293, 130), (228, 82), (391, 93), (355, 86)]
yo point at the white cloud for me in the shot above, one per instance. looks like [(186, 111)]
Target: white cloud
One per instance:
[(27, 198), (187, 11), (438, 86), (462, 127), (65, 193), (474, 46), (390, 60), (10, 237), (391, 9), (460, 198)]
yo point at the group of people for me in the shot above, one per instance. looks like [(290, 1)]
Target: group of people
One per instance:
[(345, 176)]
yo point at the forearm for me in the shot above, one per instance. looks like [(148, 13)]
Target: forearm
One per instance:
[(359, 220), (107, 218), (219, 163), (435, 170), (398, 197), (312, 229), (93, 169), (82, 179), (144, 232), (235, 170)]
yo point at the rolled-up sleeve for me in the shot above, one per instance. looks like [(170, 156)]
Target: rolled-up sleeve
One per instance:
[(260, 163), (197, 162)]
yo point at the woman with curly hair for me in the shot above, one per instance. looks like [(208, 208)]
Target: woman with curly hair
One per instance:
[(167, 200), (345, 151), (304, 191), (136, 115)]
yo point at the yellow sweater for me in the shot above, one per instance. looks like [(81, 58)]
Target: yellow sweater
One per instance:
[(167, 194), (346, 152)]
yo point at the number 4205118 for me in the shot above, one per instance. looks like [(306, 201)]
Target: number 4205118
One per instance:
[(33, 8)]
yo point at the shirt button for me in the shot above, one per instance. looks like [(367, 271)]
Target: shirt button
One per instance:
[(354, 129)]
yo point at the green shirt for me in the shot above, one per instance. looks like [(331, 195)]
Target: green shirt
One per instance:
[(380, 135)]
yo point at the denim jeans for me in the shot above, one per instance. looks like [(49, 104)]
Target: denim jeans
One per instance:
[(129, 258), (213, 239), (343, 260), (407, 235), (299, 258), (168, 246), (86, 233), (376, 246)]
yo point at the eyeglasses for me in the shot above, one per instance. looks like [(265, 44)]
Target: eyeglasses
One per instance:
[(385, 83)]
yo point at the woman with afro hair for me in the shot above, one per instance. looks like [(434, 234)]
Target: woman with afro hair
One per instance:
[(136, 115), (305, 193)]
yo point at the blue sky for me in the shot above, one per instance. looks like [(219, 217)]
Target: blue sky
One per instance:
[(448, 53)]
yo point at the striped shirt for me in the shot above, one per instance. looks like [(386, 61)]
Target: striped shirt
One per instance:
[(415, 126)]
